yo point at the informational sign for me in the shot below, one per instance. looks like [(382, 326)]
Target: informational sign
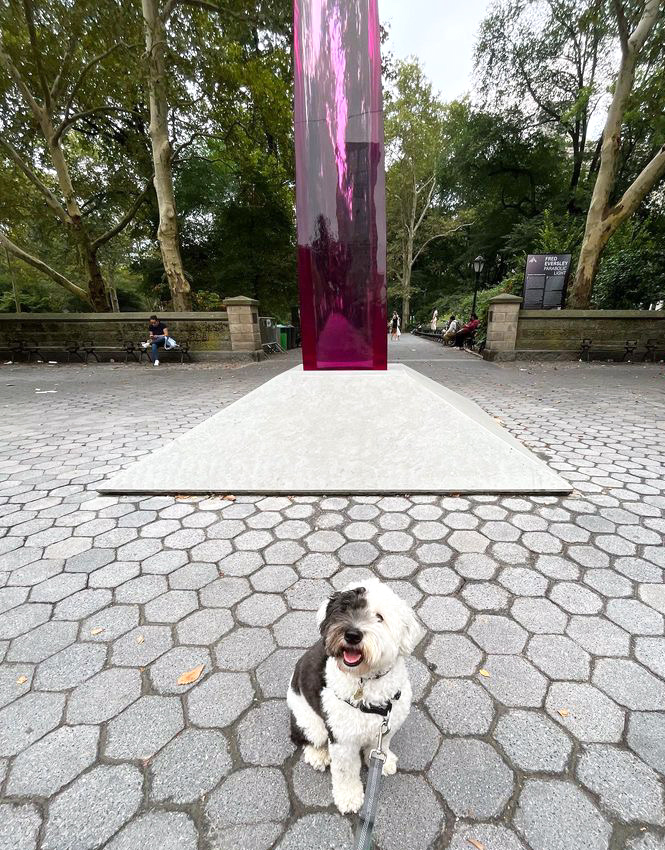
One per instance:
[(545, 281)]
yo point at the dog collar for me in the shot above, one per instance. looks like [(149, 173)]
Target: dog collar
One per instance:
[(383, 710)]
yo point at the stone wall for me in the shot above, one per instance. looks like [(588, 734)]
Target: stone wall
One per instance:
[(550, 331), (206, 332)]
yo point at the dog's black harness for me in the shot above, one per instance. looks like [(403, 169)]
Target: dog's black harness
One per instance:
[(383, 710)]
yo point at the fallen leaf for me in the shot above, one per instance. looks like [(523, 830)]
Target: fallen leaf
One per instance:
[(563, 712), (230, 498), (221, 572), (484, 673), (191, 676), (477, 844), (140, 639), (96, 631), (21, 680)]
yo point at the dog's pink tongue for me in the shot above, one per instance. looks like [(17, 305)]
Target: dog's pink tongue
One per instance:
[(352, 656)]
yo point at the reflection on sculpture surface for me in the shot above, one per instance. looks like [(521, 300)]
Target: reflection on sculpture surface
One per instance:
[(340, 186)]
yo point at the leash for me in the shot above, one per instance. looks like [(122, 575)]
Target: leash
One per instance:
[(377, 757)]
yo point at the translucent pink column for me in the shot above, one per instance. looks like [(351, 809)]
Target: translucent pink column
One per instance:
[(340, 184)]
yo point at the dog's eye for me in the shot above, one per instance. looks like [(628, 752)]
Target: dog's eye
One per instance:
[(379, 618)]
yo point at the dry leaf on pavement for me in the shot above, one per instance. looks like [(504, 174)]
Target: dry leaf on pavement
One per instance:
[(477, 844), (230, 498), (96, 631), (21, 680), (140, 639), (191, 675), (563, 712), (484, 673)]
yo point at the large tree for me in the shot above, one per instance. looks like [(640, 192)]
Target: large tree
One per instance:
[(641, 29), (57, 59)]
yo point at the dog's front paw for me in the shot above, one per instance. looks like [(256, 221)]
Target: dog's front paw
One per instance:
[(349, 798), (317, 757), (390, 764)]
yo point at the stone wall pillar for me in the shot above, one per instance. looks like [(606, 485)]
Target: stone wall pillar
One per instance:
[(502, 318), (244, 328)]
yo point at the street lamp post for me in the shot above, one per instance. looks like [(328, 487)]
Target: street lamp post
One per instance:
[(477, 264)]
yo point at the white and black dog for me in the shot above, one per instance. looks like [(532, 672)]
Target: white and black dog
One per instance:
[(342, 687)]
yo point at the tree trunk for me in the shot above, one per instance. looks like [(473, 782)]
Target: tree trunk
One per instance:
[(17, 299), (602, 220), (167, 234)]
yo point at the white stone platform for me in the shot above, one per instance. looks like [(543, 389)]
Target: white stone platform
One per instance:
[(344, 432)]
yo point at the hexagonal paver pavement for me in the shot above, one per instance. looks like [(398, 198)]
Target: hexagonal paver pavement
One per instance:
[(539, 688)]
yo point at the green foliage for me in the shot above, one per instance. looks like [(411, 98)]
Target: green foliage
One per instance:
[(632, 272)]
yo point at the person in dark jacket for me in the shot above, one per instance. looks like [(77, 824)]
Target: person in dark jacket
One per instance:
[(468, 330)]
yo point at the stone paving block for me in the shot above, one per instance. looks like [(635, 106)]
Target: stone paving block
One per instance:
[(312, 787), (453, 655), (143, 728), (103, 696), (18, 558), (113, 622), (27, 719), (69, 667), (244, 649), (540, 616), (490, 836), (264, 520), (396, 566), (498, 635), (653, 596), (357, 554), (559, 657), (598, 636), (443, 614), (164, 562), (255, 836), (646, 737), (629, 684), (625, 785), (475, 566), (81, 604), (260, 609), (93, 808), (294, 529), (608, 583), (416, 742), (274, 579), (42, 642), (49, 764), (468, 541), (274, 674), (434, 553), (436, 580), (408, 815), (298, 628), (142, 589), (12, 597), (514, 682), (204, 626), (460, 707), (137, 519), (19, 825), (575, 599), (532, 742), (317, 565), (190, 766), (250, 796), (57, 588), (23, 618), (553, 814), (171, 606), (650, 651), (225, 592), (263, 734), (15, 680), (139, 550), (646, 841), (34, 573), (472, 778), (308, 594), (556, 567), (166, 830), (68, 548), (485, 596), (165, 672), (586, 712), (522, 581), (219, 700)]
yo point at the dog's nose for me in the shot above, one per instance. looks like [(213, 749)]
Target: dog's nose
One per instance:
[(353, 636)]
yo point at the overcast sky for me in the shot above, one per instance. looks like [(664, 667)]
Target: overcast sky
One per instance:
[(441, 33)]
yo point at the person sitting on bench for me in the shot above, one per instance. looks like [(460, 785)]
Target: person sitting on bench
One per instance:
[(158, 332), (451, 329), (468, 330)]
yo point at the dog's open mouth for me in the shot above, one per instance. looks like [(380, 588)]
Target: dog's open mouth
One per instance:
[(352, 657)]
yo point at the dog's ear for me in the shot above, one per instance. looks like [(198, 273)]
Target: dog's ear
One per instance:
[(412, 630)]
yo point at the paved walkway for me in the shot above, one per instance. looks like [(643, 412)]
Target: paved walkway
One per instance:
[(540, 714)]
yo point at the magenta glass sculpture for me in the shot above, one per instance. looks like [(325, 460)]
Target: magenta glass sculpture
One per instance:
[(340, 184)]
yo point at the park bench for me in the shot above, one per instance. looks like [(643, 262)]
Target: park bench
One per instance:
[(651, 349), (27, 347), (180, 350), (627, 350)]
